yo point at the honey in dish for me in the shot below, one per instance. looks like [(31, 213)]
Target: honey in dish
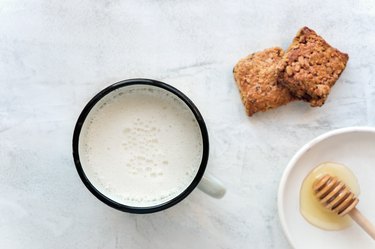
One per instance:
[(310, 207)]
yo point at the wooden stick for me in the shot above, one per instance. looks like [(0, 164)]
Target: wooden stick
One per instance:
[(361, 220)]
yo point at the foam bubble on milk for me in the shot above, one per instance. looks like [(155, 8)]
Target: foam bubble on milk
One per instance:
[(141, 146)]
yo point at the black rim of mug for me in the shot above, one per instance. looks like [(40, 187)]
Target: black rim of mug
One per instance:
[(104, 198)]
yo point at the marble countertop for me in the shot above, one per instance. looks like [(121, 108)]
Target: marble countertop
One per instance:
[(55, 55)]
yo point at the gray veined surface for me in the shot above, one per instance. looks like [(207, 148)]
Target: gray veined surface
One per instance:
[(55, 55)]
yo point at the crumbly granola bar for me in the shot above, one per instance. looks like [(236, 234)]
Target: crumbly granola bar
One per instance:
[(256, 78), (310, 67)]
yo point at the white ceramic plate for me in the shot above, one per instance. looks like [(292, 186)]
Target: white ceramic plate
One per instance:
[(353, 147)]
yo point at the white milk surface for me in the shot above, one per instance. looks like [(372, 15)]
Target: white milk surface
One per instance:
[(140, 146)]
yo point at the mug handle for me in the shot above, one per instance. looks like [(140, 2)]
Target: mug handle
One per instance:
[(212, 186)]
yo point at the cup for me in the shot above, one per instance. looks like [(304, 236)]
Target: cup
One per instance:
[(142, 146)]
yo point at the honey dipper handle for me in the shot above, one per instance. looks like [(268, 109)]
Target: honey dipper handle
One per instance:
[(361, 220)]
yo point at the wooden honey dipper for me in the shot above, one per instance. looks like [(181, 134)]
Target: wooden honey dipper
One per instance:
[(338, 198)]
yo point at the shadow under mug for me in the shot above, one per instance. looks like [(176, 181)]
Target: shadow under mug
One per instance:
[(204, 181)]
